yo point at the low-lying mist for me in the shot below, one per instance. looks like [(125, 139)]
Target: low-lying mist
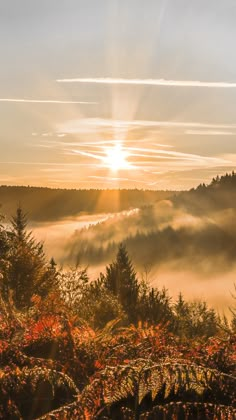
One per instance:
[(169, 245)]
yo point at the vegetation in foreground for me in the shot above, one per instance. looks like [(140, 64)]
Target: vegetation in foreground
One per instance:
[(110, 349)]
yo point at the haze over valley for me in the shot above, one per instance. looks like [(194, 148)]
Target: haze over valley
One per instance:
[(181, 240)]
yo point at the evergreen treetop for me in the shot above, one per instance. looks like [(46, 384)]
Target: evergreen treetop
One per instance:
[(121, 280)]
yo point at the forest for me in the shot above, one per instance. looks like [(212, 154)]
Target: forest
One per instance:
[(74, 201), (193, 229), (110, 348)]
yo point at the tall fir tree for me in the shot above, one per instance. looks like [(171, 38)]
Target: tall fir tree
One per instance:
[(121, 280), (28, 273), (182, 314)]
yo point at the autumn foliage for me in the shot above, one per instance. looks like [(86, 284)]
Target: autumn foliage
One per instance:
[(70, 358)]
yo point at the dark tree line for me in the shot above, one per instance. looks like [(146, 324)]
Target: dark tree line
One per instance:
[(74, 201)]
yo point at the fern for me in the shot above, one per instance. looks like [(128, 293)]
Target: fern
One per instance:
[(67, 412), (22, 389), (141, 379), (162, 382), (12, 356), (173, 410), (32, 376), (189, 411)]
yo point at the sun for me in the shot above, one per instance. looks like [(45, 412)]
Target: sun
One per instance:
[(116, 158)]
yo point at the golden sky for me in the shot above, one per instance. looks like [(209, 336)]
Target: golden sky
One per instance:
[(115, 94)]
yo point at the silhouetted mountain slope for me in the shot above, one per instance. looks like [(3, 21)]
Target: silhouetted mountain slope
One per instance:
[(209, 249), (195, 229), (43, 204), (220, 194)]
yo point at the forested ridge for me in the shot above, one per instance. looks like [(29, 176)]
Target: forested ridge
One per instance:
[(60, 203), (220, 193), (113, 348), (193, 229)]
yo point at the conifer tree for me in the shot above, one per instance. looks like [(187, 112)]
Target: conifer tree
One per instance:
[(182, 313), (154, 305), (121, 280), (28, 273), (19, 224), (194, 319)]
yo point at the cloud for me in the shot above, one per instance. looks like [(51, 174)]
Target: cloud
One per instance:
[(57, 164), (152, 82), (45, 101), (47, 134), (87, 125), (209, 133), (148, 157)]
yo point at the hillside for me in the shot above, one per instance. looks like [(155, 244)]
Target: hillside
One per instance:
[(45, 204), (194, 230), (219, 194)]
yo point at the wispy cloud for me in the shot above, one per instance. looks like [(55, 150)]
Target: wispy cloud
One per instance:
[(88, 125), (45, 101), (50, 164), (152, 82), (140, 158), (209, 133)]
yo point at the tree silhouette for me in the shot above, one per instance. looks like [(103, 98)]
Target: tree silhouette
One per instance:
[(121, 280), (28, 272)]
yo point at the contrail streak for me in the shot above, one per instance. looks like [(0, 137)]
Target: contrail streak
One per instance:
[(45, 101), (153, 82)]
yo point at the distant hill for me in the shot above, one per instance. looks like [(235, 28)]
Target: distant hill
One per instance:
[(218, 195), (193, 229), (46, 204)]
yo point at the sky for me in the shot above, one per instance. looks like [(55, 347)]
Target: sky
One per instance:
[(117, 94)]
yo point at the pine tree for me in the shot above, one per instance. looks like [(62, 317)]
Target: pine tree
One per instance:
[(19, 224), (52, 264), (181, 310), (154, 305), (28, 273), (121, 280)]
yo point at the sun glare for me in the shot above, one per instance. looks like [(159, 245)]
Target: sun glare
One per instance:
[(116, 158)]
